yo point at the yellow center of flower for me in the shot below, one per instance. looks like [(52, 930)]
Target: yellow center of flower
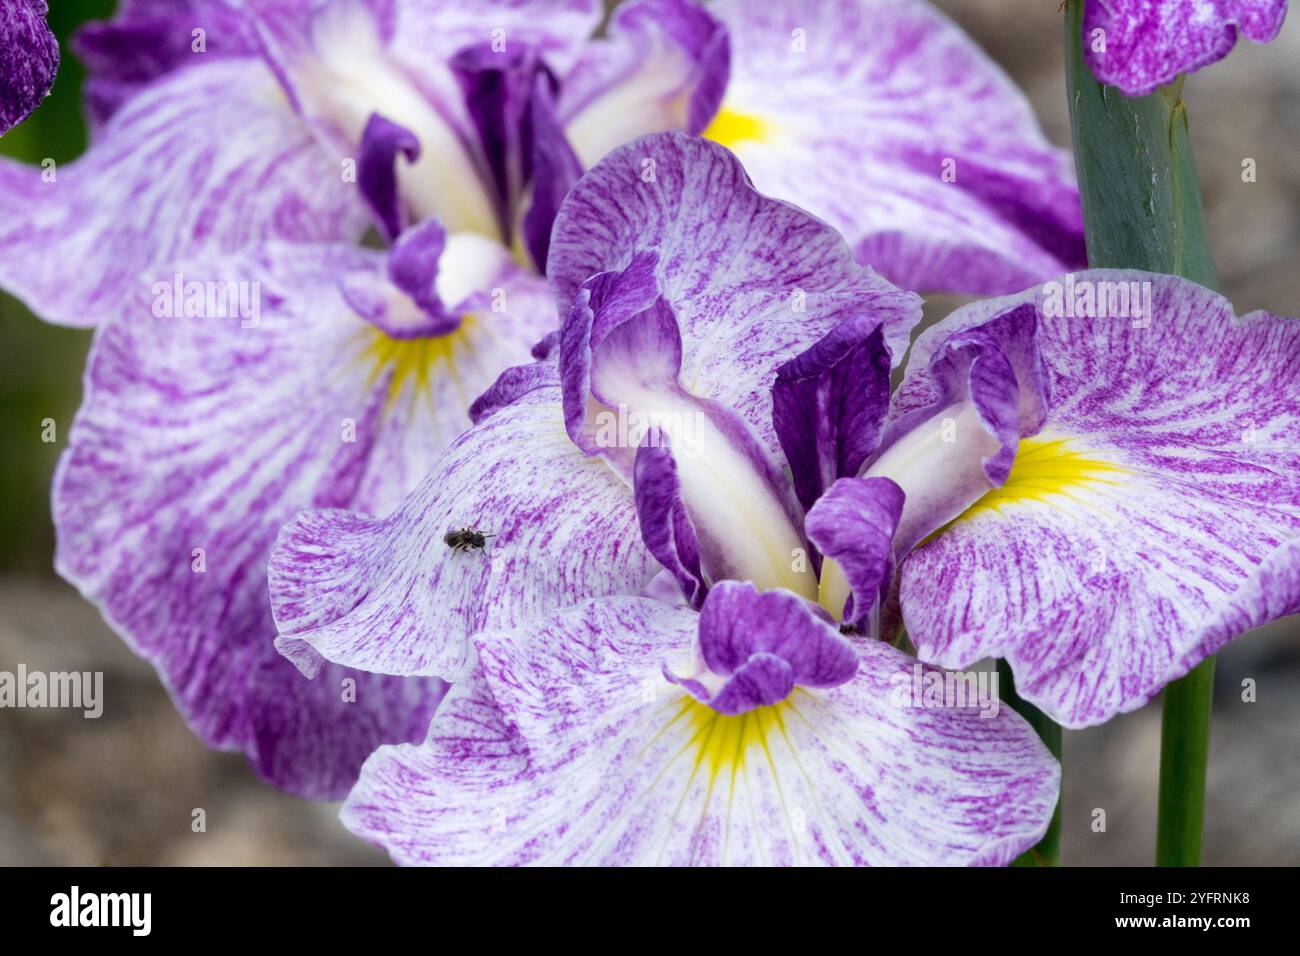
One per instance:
[(412, 361), (721, 743), (731, 127)]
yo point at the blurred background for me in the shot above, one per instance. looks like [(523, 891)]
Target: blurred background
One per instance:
[(121, 790)]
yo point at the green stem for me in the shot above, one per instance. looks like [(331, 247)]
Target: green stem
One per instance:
[(1142, 210), (1047, 852), (1184, 750), (1137, 177)]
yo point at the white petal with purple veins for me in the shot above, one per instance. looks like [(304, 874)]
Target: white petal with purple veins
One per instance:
[(201, 434), (886, 120), (1150, 520), (167, 180), (752, 280), (570, 747)]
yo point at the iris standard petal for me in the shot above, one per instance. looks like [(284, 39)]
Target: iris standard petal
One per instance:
[(886, 120), (753, 281), (1150, 519), (1138, 45), (620, 363), (212, 415), (571, 747)]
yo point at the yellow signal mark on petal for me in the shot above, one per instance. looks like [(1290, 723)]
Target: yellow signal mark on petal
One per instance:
[(731, 127), (723, 741), (1044, 469), (411, 361)]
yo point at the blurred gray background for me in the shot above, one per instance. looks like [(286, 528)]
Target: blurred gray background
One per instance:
[(121, 790)]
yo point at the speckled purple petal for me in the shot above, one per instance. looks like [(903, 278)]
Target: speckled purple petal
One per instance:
[(29, 58), (829, 405), (168, 179), (390, 596), (1150, 521), (1138, 45), (202, 434), (571, 747), (147, 39), (427, 32), (885, 119), (661, 65), (753, 281), (854, 523)]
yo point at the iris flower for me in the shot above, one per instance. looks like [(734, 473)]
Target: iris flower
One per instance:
[(1094, 479), (721, 716), (1138, 45), (29, 58), (222, 122), (1128, 503), (310, 234)]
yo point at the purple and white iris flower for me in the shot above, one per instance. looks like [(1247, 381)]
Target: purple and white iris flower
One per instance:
[(1139, 45), (29, 58), (224, 122), (643, 673), (705, 521), (309, 235), (1131, 502)]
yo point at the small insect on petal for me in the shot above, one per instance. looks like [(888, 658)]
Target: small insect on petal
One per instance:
[(467, 539)]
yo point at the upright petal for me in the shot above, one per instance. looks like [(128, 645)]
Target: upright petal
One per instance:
[(29, 58), (1149, 521), (620, 363), (887, 121), (572, 748), (169, 178), (212, 415), (1139, 45), (752, 280)]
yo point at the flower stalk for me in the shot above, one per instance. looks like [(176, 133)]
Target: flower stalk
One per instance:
[(1142, 210)]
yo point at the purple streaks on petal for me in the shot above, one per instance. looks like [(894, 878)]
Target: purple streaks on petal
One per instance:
[(146, 39), (1101, 588), (1147, 43)]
